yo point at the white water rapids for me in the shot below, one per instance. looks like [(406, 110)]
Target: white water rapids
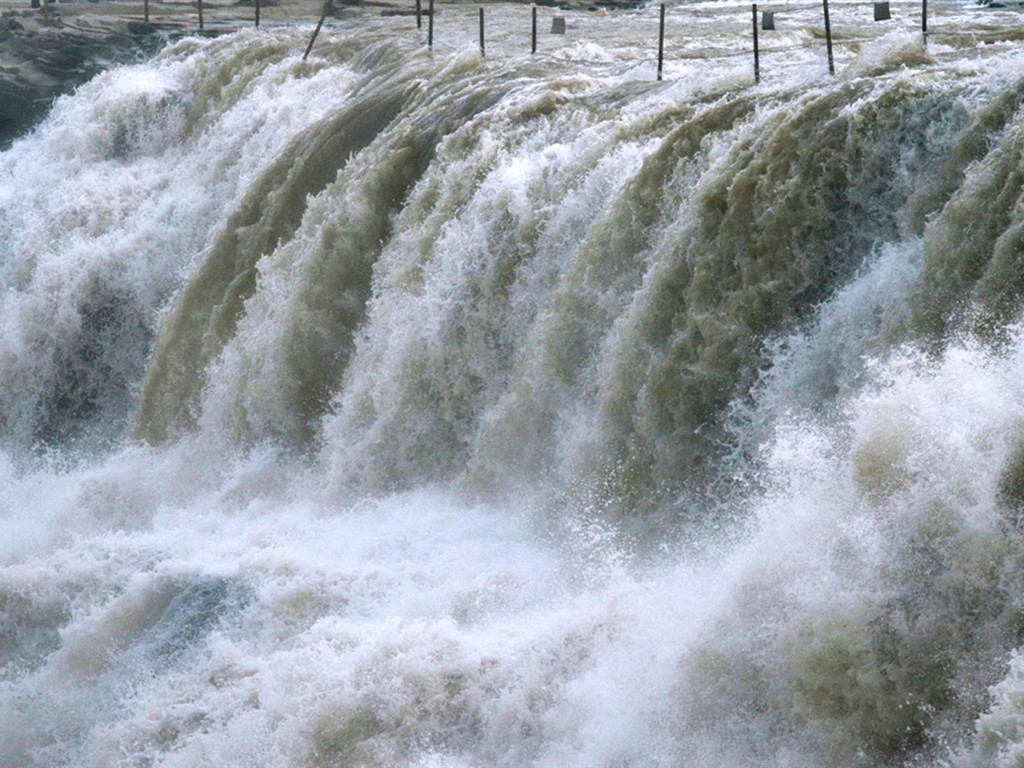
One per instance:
[(408, 408)]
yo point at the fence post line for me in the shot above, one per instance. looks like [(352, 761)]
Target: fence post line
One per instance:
[(482, 51), (430, 24), (327, 8), (419, 14), (757, 53), (533, 33), (661, 41), (828, 39)]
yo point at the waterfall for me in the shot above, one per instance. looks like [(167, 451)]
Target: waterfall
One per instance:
[(408, 408)]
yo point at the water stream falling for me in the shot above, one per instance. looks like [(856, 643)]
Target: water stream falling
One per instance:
[(408, 408)]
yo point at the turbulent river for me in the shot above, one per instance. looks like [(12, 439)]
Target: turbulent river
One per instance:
[(408, 408)]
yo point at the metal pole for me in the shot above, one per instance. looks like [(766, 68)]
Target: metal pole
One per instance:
[(327, 7), (419, 14), (924, 20), (828, 39), (757, 53), (200, 3), (257, 14), (661, 41), (533, 34), (482, 51), (145, 10), (430, 24)]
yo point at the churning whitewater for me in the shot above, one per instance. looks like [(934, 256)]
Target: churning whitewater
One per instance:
[(409, 408)]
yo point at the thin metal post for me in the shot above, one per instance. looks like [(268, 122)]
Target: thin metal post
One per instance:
[(430, 24), (757, 53), (533, 33), (482, 51), (924, 21), (327, 7), (145, 11), (257, 14), (661, 41), (828, 39), (419, 14), (200, 3)]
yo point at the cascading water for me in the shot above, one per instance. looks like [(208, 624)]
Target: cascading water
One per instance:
[(399, 408)]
